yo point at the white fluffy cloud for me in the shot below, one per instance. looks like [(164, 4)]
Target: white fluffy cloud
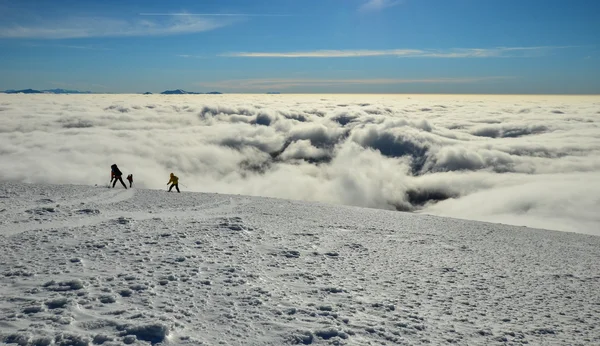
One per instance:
[(531, 161)]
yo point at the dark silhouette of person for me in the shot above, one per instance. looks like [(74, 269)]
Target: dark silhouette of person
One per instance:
[(130, 178), (117, 175)]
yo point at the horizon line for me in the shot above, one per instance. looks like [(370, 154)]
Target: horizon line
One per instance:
[(294, 93)]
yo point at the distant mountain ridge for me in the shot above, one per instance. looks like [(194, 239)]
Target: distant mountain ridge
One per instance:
[(66, 91), (47, 91), (183, 92), (24, 91), (178, 92)]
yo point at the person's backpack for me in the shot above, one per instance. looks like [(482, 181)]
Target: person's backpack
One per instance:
[(116, 170)]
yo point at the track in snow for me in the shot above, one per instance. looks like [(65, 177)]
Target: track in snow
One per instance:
[(83, 265)]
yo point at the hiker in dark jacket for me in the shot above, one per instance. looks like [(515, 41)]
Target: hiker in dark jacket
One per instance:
[(117, 174)]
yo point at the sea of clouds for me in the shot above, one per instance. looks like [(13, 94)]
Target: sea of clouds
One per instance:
[(522, 160)]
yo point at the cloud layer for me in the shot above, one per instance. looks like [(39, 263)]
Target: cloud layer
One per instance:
[(83, 27), (524, 160), (495, 52)]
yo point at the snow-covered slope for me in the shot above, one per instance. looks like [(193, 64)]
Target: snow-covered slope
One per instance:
[(89, 265)]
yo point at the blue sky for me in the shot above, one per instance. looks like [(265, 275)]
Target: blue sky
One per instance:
[(320, 46)]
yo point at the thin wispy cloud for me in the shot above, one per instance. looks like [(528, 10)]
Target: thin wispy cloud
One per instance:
[(284, 83), (327, 53), (406, 53), (68, 46), (83, 27), (190, 56), (215, 14), (378, 5)]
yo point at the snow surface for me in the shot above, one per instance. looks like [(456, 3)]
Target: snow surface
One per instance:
[(85, 265)]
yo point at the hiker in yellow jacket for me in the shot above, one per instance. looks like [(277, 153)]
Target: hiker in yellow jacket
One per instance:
[(175, 180)]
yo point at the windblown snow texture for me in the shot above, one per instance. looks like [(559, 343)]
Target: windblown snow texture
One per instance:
[(522, 160), (86, 266)]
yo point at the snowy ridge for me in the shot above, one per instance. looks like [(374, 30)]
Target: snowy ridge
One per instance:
[(88, 265)]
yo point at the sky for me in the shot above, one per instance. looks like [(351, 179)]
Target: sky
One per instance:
[(312, 46)]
